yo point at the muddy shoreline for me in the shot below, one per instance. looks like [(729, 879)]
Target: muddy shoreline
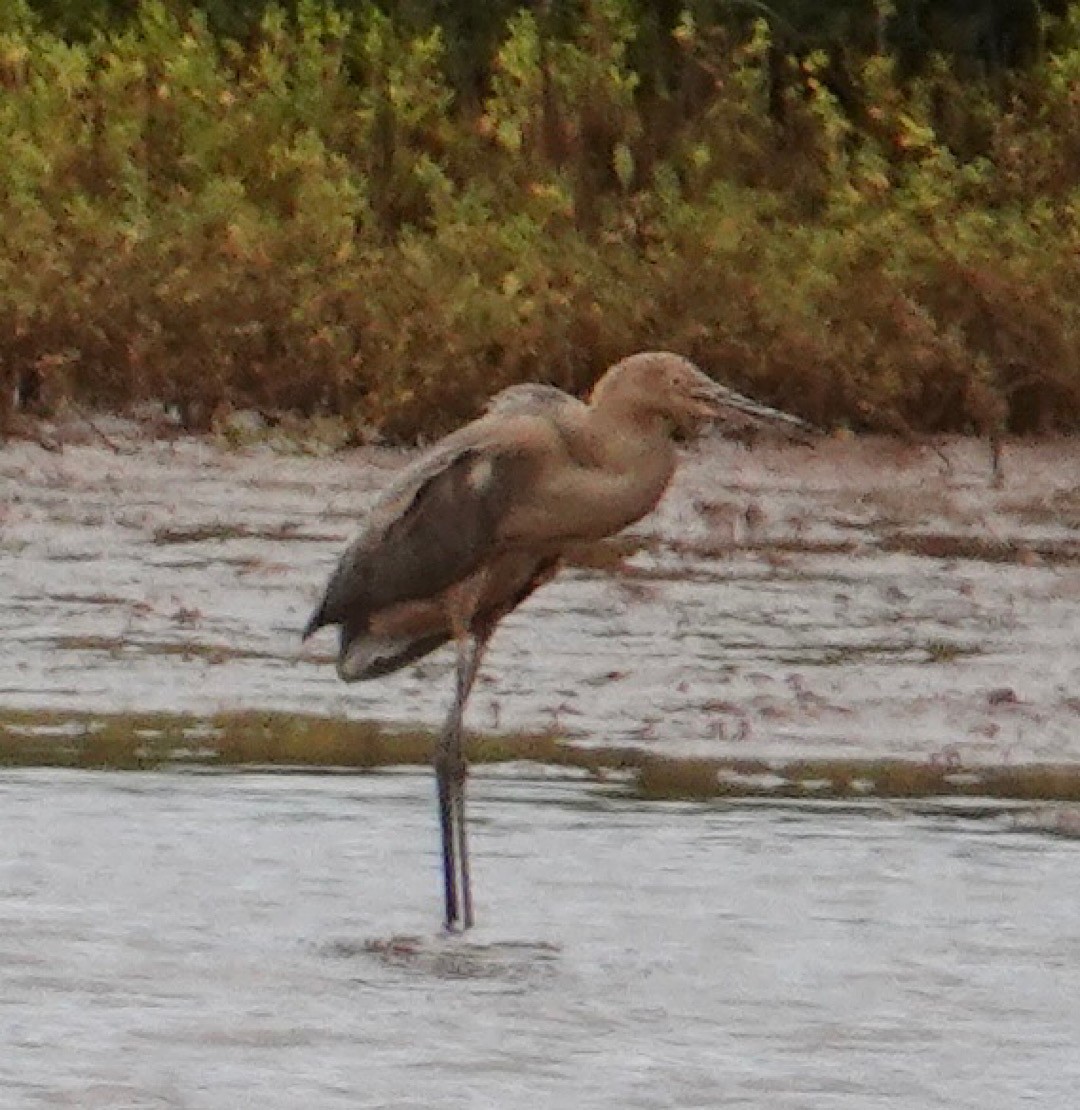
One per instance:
[(862, 601)]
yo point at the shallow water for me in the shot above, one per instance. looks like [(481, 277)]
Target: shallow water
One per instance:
[(858, 600), (214, 941)]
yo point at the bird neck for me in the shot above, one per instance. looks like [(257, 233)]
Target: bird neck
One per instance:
[(626, 436), (632, 454), (609, 472)]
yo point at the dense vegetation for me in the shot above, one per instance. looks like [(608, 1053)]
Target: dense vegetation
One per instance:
[(868, 212)]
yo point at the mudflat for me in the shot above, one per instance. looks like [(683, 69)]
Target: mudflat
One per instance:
[(863, 599)]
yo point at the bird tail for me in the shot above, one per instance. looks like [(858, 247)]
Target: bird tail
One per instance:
[(364, 656), (316, 621)]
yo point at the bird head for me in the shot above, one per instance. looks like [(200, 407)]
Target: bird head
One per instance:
[(668, 387)]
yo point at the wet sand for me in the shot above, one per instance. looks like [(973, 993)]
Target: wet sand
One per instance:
[(861, 599)]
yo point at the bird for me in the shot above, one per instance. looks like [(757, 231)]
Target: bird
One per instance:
[(483, 518)]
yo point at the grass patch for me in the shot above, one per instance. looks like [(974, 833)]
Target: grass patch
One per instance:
[(689, 779), (935, 545), (219, 531), (87, 599), (936, 651), (316, 212), (146, 740), (124, 645), (941, 651)]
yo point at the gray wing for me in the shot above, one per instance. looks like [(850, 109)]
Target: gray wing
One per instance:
[(434, 527), (530, 398)]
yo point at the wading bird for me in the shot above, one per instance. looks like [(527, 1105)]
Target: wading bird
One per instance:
[(482, 519)]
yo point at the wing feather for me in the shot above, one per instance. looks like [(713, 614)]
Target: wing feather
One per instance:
[(434, 527)]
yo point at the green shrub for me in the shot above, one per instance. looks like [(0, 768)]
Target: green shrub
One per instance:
[(315, 219)]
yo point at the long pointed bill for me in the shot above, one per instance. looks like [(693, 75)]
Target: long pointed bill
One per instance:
[(721, 402)]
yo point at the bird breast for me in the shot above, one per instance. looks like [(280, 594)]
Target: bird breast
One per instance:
[(588, 498)]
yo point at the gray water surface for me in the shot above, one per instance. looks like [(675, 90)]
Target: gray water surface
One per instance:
[(177, 578), (216, 941)]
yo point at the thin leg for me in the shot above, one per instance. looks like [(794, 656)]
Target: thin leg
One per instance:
[(451, 770), (463, 859), (446, 829), (480, 642)]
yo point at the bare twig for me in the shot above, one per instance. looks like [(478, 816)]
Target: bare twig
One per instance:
[(112, 445)]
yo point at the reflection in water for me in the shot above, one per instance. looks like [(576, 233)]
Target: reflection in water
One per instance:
[(214, 941)]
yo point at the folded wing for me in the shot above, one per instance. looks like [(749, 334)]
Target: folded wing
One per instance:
[(434, 528)]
